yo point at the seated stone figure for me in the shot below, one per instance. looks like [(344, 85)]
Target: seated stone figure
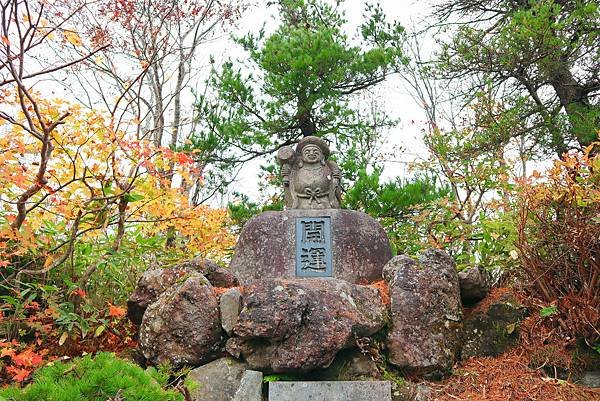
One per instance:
[(314, 237), (310, 180)]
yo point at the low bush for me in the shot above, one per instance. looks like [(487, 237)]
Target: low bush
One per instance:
[(559, 242), (100, 378)]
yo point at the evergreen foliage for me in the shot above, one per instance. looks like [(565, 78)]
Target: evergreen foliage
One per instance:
[(304, 78), (93, 379), (393, 199), (538, 57)]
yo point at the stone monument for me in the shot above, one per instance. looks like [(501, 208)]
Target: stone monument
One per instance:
[(313, 237), (299, 297)]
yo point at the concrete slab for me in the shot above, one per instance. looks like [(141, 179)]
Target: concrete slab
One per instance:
[(330, 391), (250, 387)]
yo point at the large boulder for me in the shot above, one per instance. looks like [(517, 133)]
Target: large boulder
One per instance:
[(156, 281), (299, 325), (426, 313), (183, 326), (267, 246)]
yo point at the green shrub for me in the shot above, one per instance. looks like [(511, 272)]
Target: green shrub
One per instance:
[(93, 379)]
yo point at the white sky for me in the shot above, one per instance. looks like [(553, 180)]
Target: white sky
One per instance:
[(398, 103)]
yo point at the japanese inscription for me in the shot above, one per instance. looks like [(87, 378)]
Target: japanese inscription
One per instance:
[(313, 247)]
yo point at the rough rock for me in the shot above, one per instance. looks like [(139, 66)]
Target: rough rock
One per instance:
[(183, 325), (299, 325), (250, 387), (267, 246), (408, 391), (218, 380), (230, 305), (156, 281), (426, 313), (590, 378), (330, 391), (475, 283), (349, 364), (492, 331)]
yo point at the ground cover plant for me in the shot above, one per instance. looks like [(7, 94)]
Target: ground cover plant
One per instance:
[(96, 378)]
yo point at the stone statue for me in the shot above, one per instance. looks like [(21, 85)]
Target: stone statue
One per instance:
[(310, 180)]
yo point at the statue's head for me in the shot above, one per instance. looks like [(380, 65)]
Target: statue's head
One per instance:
[(312, 150), (312, 154)]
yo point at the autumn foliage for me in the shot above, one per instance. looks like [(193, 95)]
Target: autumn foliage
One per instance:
[(87, 200), (559, 241)]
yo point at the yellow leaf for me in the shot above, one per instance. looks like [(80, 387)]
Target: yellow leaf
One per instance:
[(73, 38), (48, 261), (99, 330), (63, 338)]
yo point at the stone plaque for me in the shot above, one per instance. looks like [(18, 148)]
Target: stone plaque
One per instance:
[(313, 247), (330, 391)]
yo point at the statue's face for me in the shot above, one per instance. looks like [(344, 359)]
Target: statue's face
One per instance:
[(311, 154)]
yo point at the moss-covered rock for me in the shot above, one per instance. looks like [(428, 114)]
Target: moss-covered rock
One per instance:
[(348, 365), (492, 331)]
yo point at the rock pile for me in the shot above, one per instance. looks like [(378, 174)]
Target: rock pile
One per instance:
[(309, 285)]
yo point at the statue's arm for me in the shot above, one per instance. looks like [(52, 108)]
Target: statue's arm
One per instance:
[(335, 193), (285, 157)]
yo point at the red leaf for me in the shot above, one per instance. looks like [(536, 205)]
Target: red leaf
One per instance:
[(18, 374), (116, 311), (27, 358)]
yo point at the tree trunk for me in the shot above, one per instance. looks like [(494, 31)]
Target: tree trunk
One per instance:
[(573, 96), (159, 113)]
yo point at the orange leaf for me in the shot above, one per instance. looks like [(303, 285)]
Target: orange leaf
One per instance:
[(116, 311), (7, 352), (27, 358), (4, 40), (18, 374)]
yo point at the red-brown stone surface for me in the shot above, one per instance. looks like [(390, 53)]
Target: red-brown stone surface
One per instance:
[(299, 325), (182, 326), (426, 313), (156, 281), (267, 246)]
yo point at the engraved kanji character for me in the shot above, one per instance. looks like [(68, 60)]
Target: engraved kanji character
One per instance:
[(313, 231), (313, 258)]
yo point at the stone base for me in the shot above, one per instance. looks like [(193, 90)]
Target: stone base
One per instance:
[(296, 326), (330, 391), (267, 246)]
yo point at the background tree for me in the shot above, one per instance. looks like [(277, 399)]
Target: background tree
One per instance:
[(539, 58), (305, 79), (146, 75), (26, 26)]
